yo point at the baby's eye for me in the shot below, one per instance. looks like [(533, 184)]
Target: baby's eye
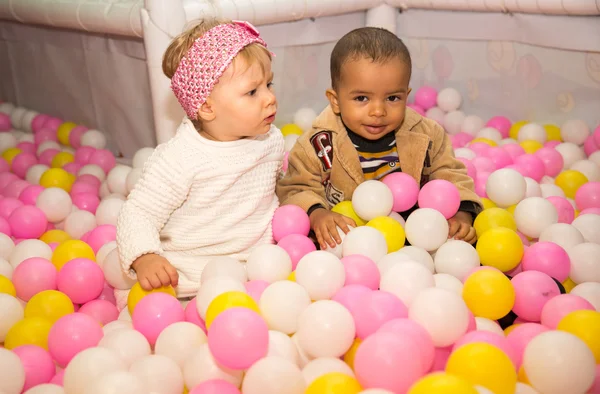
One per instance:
[(252, 92), (395, 98), (270, 85), (361, 98)]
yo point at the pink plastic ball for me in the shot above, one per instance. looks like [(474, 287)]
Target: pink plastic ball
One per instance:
[(154, 313), (566, 212), (440, 358), (590, 146), (27, 222), (30, 194), (519, 168), (255, 288), (500, 123), (5, 227), (53, 123), (101, 235), (238, 337), (523, 238), (532, 290), (8, 206), (417, 108), (484, 164), (38, 121), (85, 187), (426, 97), (480, 148), (71, 334), (552, 159), (297, 246), (517, 270), (58, 378), (88, 178), (83, 154), (75, 136), (86, 201), (103, 158), (4, 167), (349, 296), (588, 196), (534, 166), (480, 182), (471, 170), (44, 134), (26, 147), (596, 135), (38, 365), (461, 139), (192, 316), (108, 294), (560, 306), (103, 311), (514, 150), (215, 386), (47, 156), (441, 195), (375, 309), (521, 335), (416, 333), (5, 123), (491, 338), (389, 362), (81, 279), (6, 178), (361, 270), (472, 323), (551, 144), (14, 189), (32, 276), (500, 157), (290, 219), (72, 168), (405, 190), (594, 211)]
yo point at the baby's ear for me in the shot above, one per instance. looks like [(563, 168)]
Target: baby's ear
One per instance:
[(333, 100), (206, 111)]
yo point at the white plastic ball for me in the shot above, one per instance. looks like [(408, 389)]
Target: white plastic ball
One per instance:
[(28, 119), (483, 324), (472, 124), (367, 241), (7, 108), (442, 313), (407, 280), (304, 118), (67, 149), (589, 226), (426, 228), (141, 156), (55, 203), (128, 344), (46, 388), (533, 215), (551, 190), (506, 187), (93, 138), (179, 340), (453, 122), (326, 329), (16, 117), (117, 382), (113, 195), (201, 366), (564, 235), (6, 269), (419, 255), (93, 169), (160, 374), (124, 315), (113, 273), (390, 260), (224, 266), (436, 114), (35, 172), (116, 325), (7, 140), (570, 153), (11, 311), (397, 217), (104, 251), (281, 345), (508, 141), (575, 131), (29, 248), (44, 146), (585, 266), (590, 291), (117, 179), (214, 287), (595, 157), (324, 365), (303, 357), (7, 245), (89, 365), (533, 132), (321, 274), (448, 282), (104, 190), (558, 362), (337, 250), (372, 199), (533, 188), (12, 373), (449, 99), (289, 141), (281, 303), (269, 263), (108, 211), (273, 375), (26, 138), (456, 258), (465, 153), (132, 179), (79, 222), (588, 168), (490, 133)]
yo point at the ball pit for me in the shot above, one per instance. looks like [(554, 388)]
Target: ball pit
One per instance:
[(371, 315)]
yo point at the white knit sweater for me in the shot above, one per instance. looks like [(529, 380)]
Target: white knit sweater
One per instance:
[(198, 199)]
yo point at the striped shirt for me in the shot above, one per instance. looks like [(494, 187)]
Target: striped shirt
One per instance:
[(377, 158)]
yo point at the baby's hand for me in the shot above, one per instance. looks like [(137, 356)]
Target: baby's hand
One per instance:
[(154, 271), (460, 227), (324, 223)]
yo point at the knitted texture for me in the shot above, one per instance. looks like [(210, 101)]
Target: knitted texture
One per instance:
[(197, 199)]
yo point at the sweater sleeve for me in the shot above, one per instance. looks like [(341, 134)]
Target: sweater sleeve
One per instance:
[(162, 188)]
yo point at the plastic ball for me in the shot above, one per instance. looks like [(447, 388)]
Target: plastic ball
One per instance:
[(531, 146), (583, 259), (22, 163), (136, 294), (588, 224), (500, 248), (93, 138), (71, 334), (81, 279), (571, 153), (304, 118), (584, 324), (281, 303), (367, 241), (56, 177), (440, 195), (102, 310), (33, 276), (436, 114), (321, 274), (108, 211), (570, 181), (55, 203), (27, 222), (442, 383), (575, 131), (549, 258), (228, 300), (71, 249), (7, 287), (117, 179), (61, 159), (12, 372), (426, 228), (456, 258), (392, 231), (533, 215), (269, 263), (334, 383), (345, 208), (405, 190), (371, 199), (532, 290), (10, 153), (426, 97), (493, 217), (588, 196), (296, 246), (154, 312), (532, 132), (489, 293), (273, 375), (28, 331), (141, 156), (453, 121), (553, 132), (63, 131), (88, 366), (290, 219), (449, 99)]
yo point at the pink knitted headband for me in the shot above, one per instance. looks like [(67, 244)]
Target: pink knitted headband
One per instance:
[(207, 59)]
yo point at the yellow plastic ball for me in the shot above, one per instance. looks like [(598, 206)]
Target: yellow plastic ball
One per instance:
[(500, 248), (568, 284), (484, 365), (291, 128), (487, 203), (57, 177), (531, 146), (392, 231), (442, 383), (10, 154), (62, 158), (63, 132), (514, 129), (334, 383), (489, 293), (227, 300), (585, 325), (55, 236), (351, 353), (570, 181), (137, 293), (7, 287), (292, 276), (511, 209), (345, 208), (492, 218), (553, 132), (486, 141), (71, 249), (510, 329), (29, 331), (522, 376), (50, 305)]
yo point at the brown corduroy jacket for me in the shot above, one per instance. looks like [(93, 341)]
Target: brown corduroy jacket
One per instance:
[(324, 168)]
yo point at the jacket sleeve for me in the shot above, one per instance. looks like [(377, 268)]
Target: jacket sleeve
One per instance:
[(444, 165), (301, 185)]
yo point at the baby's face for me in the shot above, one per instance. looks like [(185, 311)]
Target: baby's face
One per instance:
[(371, 97)]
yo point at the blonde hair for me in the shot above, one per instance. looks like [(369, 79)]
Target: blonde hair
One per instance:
[(183, 42)]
